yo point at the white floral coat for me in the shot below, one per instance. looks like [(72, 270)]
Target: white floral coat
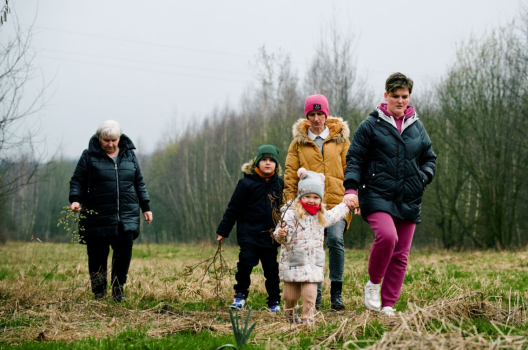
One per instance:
[(302, 254)]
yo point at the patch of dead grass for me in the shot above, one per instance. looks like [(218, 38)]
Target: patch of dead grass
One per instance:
[(35, 308)]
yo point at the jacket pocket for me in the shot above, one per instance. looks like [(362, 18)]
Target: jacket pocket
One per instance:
[(297, 256), (319, 257), (421, 175)]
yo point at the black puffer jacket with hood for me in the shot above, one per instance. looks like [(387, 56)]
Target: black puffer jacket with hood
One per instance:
[(390, 170), (116, 191), (252, 207)]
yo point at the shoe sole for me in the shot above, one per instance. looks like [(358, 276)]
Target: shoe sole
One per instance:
[(372, 308), (337, 307), (236, 307)]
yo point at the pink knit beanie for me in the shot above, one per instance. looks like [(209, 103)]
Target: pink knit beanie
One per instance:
[(316, 103)]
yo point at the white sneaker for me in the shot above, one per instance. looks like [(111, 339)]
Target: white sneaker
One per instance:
[(238, 304), (372, 297), (388, 311)]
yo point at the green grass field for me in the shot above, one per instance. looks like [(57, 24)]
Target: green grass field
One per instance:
[(467, 300)]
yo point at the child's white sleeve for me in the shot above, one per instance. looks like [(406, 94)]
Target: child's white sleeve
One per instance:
[(336, 214), (289, 219)]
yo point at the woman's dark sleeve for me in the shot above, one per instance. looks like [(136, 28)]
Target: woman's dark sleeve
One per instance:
[(141, 189), (427, 158), (79, 180), (234, 210), (357, 157)]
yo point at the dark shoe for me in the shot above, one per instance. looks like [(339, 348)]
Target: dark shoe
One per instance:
[(100, 296), (119, 298), (118, 294), (318, 301), (335, 296)]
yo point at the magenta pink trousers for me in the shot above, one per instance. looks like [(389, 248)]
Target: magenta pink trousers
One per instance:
[(388, 256)]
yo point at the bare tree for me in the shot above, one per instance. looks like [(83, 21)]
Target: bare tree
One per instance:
[(483, 102), (18, 160), (16, 70), (3, 13), (333, 73)]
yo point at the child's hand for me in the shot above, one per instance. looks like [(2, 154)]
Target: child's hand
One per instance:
[(220, 238), (351, 200), (282, 232)]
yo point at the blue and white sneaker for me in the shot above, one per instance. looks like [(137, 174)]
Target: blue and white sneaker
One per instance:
[(238, 303), (275, 308)]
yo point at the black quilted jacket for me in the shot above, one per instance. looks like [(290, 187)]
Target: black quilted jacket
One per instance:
[(115, 191), (389, 170), (251, 207)]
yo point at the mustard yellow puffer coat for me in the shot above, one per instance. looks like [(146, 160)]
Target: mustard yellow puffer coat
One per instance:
[(303, 152)]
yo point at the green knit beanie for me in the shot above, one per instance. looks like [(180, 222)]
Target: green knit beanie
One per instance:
[(267, 151)]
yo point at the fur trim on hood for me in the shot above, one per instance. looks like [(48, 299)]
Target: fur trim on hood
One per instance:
[(339, 131), (247, 168)]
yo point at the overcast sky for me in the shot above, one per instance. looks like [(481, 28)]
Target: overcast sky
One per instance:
[(159, 63)]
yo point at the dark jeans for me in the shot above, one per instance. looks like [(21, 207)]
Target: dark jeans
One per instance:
[(98, 251), (336, 252), (247, 259)]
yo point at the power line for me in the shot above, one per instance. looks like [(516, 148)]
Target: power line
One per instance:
[(140, 61), (146, 43), (140, 69)]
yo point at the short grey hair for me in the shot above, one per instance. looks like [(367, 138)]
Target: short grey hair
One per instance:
[(109, 128)]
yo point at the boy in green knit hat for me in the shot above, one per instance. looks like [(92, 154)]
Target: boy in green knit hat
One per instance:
[(256, 197)]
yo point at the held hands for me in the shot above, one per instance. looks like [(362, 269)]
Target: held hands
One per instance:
[(148, 217), (352, 201), (220, 238)]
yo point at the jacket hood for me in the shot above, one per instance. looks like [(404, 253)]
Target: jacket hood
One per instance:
[(125, 144), (339, 131), (247, 168), (408, 121), (409, 110)]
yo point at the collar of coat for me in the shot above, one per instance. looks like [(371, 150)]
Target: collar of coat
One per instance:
[(406, 122), (247, 168), (339, 131), (94, 146)]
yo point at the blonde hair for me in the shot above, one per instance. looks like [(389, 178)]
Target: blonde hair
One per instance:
[(300, 212)]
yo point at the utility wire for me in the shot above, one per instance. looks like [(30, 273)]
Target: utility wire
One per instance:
[(140, 69), (139, 61), (146, 43)]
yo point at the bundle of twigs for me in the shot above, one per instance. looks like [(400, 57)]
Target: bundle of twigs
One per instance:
[(215, 268), (278, 218)]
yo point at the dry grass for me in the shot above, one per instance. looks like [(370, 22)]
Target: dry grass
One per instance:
[(45, 295)]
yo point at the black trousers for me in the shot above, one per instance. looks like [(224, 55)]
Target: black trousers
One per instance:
[(98, 251), (248, 258)]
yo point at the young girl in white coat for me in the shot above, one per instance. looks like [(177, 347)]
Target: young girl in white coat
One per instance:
[(302, 254)]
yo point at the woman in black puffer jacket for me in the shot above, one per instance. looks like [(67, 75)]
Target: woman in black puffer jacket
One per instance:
[(108, 180), (389, 162)]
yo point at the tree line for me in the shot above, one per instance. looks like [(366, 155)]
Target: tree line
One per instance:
[(476, 116)]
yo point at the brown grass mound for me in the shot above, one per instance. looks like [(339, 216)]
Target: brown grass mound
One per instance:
[(434, 326)]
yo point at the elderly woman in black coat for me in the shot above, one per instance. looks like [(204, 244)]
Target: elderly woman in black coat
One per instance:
[(108, 181)]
